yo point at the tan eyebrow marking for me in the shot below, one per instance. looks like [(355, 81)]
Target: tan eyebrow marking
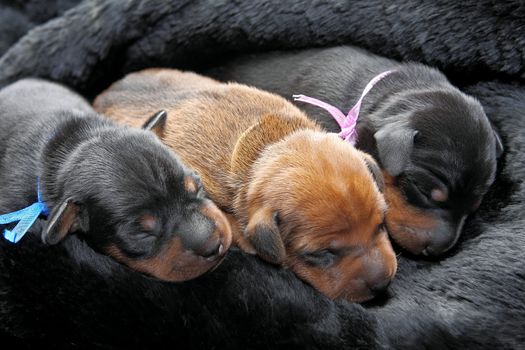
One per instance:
[(190, 185), (439, 195)]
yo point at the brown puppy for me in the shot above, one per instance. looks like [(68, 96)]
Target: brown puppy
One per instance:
[(434, 143), (302, 198)]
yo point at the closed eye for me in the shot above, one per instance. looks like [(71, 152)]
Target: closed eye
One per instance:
[(419, 192), (144, 236), (321, 258)]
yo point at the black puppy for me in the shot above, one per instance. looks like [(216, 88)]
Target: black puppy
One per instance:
[(120, 189), (435, 143)]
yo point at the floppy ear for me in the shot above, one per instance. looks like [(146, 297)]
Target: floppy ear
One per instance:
[(499, 144), (263, 234), (376, 172), (394, 144), (157, 123), (268, 130), (67, 218)]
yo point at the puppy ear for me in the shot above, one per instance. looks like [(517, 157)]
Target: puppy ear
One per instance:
[(67, 218), (263, 234), (394, 144), (499, 144), (376, 172), (268, 130), (157, 123)]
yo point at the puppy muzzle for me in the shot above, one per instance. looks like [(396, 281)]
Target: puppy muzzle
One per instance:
[(444, 237), (209, 234)]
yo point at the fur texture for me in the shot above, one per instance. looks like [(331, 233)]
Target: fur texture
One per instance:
[(302, 197), (435, 143), (467, 39), (473, 298), (118, 189), (17, 17)]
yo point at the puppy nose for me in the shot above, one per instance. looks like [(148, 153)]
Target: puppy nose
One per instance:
[(211, 248), (444, 238), (222, 228), (379, 286)]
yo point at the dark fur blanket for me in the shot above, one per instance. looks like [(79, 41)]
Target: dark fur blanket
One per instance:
[(472, 298), (18, 16)]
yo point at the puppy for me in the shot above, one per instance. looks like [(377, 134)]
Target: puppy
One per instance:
[(119, 189), (434, 143), (302, 198)]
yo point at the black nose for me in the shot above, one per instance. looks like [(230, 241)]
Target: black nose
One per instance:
[(434, 250), (444, 237), (211, 248), (379, 286)]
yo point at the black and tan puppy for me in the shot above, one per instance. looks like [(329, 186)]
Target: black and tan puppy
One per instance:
[(302, 197), (435, 143), (119, 189)]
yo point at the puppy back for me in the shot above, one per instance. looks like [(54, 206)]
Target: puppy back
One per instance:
[(205, 118)]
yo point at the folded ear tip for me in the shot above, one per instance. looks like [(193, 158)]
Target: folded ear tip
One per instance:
[(268, 244), (499, 144), (159, 117), (61, 222), (48, 239), (156, 122)]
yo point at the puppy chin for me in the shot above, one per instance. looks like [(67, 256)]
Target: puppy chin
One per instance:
[(189, 268), (432, 243), (409, 238), (356, 290), (420, 233), (410, 227), (173, 265)]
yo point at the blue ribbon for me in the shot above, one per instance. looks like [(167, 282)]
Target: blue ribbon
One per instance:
[(26, 218)]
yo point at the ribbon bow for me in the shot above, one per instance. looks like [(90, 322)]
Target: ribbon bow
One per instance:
[(26, 218), (346, 123)]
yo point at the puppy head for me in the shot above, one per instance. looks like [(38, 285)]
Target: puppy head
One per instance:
[(314, 207), (129, 197), (439, 162)]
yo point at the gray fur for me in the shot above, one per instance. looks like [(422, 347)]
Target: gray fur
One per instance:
[(473, 299)]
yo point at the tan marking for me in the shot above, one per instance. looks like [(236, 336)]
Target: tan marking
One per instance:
[(222, 224), (172, 264), (439, 195), (148, 222), (409, 226), (190, 185)]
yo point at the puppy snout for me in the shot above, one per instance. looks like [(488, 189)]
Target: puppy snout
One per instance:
[(206, 232), (373, 281), (379, 268), (379, 275), (221, 237), (211, 248), (443, 238), (433, 249), (379, 285)]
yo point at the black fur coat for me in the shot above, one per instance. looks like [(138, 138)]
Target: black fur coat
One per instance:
[(472, 298)]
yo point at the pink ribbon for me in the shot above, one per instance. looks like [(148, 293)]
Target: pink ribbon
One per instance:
[(346, 123)]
